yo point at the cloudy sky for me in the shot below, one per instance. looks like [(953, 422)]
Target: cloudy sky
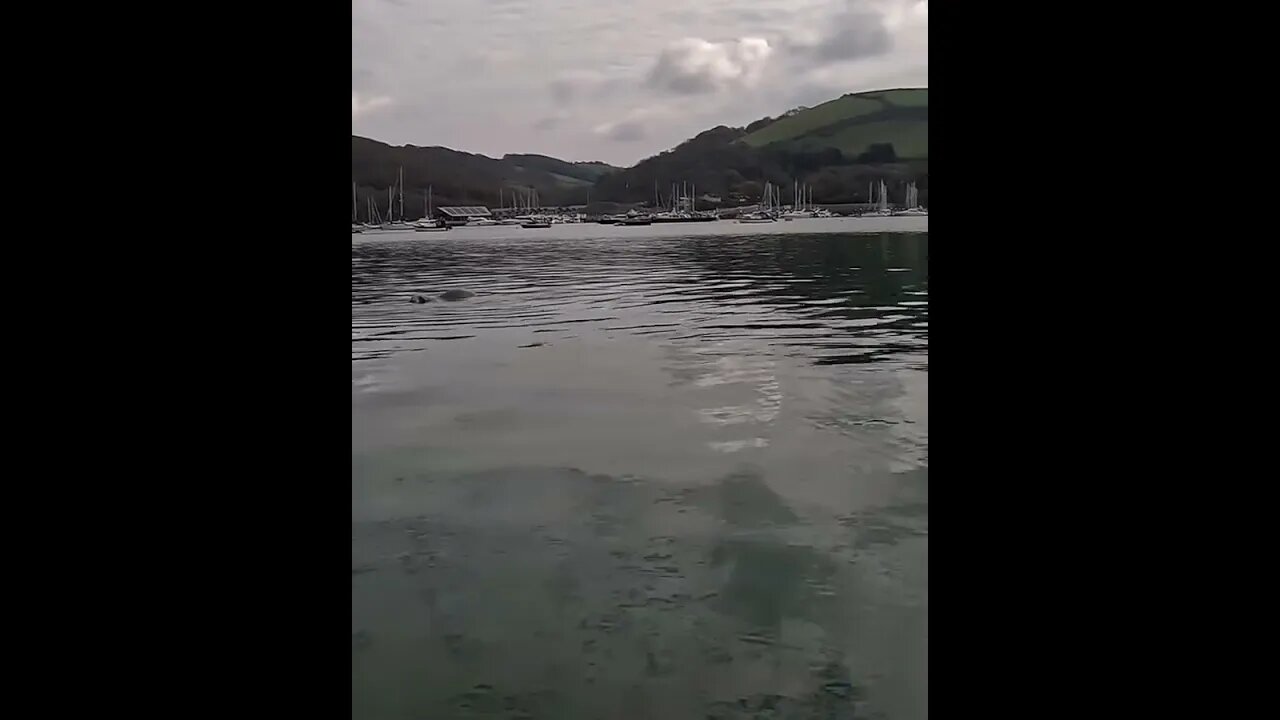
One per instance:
[(614, 80)]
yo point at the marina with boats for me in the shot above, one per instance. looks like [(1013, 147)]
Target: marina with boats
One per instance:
[(518, 207)]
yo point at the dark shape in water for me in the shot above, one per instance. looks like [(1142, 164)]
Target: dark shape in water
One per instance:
[(452, 295), (419, 299)]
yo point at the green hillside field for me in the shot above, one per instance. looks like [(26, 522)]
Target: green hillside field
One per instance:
[(853, 123)]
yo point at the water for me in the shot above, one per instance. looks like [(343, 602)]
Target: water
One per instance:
[(647, 472)]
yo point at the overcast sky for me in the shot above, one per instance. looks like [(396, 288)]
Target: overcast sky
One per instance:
[(614, 80)]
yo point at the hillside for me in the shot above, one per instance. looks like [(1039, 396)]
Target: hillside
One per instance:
[(838, 148), (459, 178), (852, 124), (573, 173)]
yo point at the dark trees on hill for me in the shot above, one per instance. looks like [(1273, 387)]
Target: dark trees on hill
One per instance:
[(879, 153)]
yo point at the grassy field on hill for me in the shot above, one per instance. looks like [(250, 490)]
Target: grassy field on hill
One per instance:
[(853, 123)]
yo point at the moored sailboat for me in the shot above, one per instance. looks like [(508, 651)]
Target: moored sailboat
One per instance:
[(912, 205), (428, 223)]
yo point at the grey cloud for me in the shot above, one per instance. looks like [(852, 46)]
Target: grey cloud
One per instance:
[(508, 9), (563, 90), (547, 123), (694, 66), (858, 32), (857, 35), (360, 77), (666, 76), (571, 86), (626, 131)]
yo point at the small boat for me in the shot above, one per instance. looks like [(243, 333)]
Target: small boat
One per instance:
[(635, 218), (426, 224), (536, 222), (767, 210), (802, 207), (682, 217)]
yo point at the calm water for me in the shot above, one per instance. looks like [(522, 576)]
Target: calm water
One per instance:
[(665, 472)]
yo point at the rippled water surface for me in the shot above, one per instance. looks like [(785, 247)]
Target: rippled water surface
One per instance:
[(663, 472)]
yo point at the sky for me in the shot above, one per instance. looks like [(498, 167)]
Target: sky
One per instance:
[(614, 80)]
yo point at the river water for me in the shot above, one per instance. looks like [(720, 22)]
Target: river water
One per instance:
[(645, 472)]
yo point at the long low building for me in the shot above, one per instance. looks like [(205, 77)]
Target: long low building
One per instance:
[(464, 213)]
